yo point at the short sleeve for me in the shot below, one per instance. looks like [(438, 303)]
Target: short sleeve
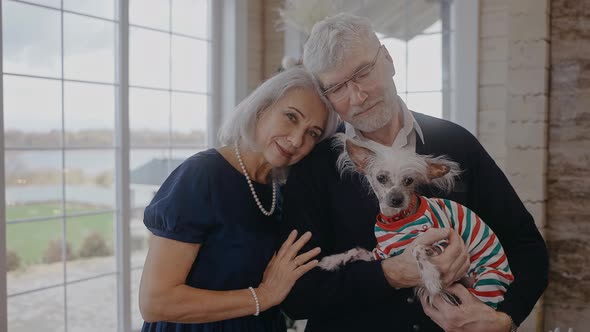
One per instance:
[(181, 209)]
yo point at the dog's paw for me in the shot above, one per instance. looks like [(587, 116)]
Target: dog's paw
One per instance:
[(330, 263), (360, 254), (334, 262), (428, 272)]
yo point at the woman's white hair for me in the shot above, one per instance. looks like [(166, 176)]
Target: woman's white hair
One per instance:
[(241, 125), (331, 37)]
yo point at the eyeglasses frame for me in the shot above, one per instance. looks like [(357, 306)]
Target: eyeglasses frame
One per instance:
[(354, 76)]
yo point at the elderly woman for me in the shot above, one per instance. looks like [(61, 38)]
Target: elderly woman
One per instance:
[(215, 262)]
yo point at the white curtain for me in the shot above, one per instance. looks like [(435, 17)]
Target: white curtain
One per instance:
[(400, 19)]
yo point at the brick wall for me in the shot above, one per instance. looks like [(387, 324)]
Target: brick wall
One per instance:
[(567, 300), (513, 102), (493, 64)]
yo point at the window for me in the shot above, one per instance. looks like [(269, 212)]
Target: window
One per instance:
[(434, 46), (62, 98), (418, 42)]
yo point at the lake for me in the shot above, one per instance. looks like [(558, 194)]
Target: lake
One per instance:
[(92, 162)]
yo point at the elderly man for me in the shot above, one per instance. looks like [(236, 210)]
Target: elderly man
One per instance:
[(356, 72)]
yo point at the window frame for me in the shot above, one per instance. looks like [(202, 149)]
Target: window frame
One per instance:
[(220, 70)]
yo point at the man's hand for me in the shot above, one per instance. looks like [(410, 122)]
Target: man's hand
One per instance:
[(470, 315), (453, 263)]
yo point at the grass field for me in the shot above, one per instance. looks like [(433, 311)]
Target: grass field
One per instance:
[(30, 239)]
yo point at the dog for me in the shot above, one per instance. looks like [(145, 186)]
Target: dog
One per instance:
[(393, 175)]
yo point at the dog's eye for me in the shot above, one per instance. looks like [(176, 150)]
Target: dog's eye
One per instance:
[(382, 178), (408, 181)]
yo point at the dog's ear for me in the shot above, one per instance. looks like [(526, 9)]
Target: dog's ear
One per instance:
[(436, 170), (359, 155), (441, 172)]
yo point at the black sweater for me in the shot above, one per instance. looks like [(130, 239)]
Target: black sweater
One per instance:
[(341, 211)]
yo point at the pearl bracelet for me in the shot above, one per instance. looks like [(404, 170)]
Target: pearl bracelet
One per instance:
[(255, 300)]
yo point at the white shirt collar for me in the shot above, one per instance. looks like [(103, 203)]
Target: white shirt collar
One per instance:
[(406, 137)]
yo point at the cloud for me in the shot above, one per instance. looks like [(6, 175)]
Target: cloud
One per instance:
[(32, 38)]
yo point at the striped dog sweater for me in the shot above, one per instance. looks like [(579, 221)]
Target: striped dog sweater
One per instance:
[(489, 265)]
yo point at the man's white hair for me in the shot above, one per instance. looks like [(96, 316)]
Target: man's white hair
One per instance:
[(331, 37), (241, 125)]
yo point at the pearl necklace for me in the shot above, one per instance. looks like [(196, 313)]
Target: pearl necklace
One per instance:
[(274, 187)]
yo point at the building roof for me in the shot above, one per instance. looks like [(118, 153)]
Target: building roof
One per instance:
[(154, 172)]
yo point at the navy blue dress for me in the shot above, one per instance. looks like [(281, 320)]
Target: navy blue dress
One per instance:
[(207, 201)]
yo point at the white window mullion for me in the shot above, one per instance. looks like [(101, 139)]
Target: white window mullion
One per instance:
[(464, 63), (3, 284), (122, 173), (169, 159), (215, 104), (234, 60), (447, 68), (64, 235)]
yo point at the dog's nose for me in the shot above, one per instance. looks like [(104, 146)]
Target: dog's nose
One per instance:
[(396, 200)]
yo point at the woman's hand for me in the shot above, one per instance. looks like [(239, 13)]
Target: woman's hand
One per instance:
[(284, 269)]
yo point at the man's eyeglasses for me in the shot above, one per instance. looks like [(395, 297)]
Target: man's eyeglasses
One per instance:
[(339, 91)]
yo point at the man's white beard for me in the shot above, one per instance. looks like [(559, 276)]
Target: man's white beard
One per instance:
[(375, 121)]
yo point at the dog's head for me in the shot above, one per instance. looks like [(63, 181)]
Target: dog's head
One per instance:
[(394, 174)]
